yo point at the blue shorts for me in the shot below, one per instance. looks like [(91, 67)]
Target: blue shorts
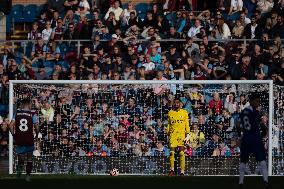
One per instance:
[(24, 149)]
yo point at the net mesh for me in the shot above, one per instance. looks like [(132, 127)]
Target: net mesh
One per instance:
[(93, 128)]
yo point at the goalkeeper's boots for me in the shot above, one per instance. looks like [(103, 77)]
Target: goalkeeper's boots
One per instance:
[(171, 173), (181, 174)]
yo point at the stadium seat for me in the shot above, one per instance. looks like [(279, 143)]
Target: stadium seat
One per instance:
[(17, 13), (89, 16), (30, 13), (76, 17), (142, 8), (142, 16), (124, 6), (42, 8), (9, 23)]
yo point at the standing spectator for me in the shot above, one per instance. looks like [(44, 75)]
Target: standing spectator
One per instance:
[(58, 31), (196, 140), (215, 105), (46, 33), (34, 33)]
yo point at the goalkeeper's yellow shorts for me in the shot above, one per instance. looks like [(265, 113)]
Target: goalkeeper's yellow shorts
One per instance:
[(176, 141)]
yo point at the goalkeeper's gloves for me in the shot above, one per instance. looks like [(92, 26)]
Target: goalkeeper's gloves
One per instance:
[(186, 140)]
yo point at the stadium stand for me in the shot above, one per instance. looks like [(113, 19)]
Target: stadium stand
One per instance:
[(235, 41)]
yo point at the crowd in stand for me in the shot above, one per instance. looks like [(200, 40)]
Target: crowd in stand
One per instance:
[(127, 44)]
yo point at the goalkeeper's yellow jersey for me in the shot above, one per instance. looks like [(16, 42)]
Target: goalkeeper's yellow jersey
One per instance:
[(178, 124)]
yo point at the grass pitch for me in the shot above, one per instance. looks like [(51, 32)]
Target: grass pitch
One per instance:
[(133, 182)]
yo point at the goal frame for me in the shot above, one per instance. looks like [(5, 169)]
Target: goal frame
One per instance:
[(146, 82)]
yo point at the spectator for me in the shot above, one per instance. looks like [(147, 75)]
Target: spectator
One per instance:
[(215, 105), (252, 30), (197, 140), (35, 33), (115, 8), (56, 5), (194, 30), (83, 8), (71, 5), (57, 33), (168, 5), (160, 150), (46, 33), (125, 15)]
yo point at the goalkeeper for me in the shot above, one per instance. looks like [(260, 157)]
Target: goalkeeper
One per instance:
[(178, 132)]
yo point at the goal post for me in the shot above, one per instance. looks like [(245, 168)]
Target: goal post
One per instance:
[(268, 87)]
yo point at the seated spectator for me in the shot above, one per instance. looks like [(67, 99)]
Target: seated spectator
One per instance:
[(149, 21), (71, 5), (180, 22), (223, 29), (278, 29), (56, 5), (70, 33), (160, 150), (265, 6), (238, 30), (47, 111), (167, 5), (252, 30), (125, 15), (159, 88), (235, 8), (111, 23), (115, 8), (83, 7), (194, 30)]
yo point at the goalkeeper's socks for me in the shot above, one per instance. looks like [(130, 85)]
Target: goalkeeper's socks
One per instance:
[(171, 173)]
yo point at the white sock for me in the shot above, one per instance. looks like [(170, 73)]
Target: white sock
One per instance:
[(263, 170), (242, 172)]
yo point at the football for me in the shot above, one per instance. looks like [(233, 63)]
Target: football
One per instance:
[(114, 172)]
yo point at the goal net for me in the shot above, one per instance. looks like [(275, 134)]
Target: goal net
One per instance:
[(91, 127)]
